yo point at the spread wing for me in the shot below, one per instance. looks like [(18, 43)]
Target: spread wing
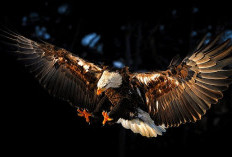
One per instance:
[(62, 73), (186, 90)]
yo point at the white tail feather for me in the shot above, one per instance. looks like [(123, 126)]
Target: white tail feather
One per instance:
[(143, 125)]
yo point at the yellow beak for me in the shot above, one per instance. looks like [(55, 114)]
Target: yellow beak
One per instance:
[(100, 90)]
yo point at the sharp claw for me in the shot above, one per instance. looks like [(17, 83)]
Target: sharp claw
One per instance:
[(106, 118), (84, 114)]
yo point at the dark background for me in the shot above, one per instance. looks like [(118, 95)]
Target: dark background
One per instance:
[(142, 37)]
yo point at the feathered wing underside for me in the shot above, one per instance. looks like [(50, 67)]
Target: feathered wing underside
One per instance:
[(62, 73), (185, 91)]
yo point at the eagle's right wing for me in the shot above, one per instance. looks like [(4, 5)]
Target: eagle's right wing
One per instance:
[(62, 73), (186, 90)]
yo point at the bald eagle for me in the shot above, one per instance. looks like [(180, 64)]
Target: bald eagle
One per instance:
[(146, 103)]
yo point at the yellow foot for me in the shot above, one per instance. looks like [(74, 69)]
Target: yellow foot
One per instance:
[(84, 114), (106, 117)]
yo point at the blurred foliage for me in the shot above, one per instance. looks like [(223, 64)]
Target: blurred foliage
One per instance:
[(115, 36)]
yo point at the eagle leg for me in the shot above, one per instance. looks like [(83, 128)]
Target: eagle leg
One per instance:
[(106, 117), (84, 114)]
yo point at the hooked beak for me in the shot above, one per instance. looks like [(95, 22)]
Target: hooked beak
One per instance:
[(100, 90)]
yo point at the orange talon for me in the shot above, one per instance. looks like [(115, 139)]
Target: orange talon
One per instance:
[(106, 117), (85, 114)]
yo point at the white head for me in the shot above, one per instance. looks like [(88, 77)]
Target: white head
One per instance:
[(108, 80)]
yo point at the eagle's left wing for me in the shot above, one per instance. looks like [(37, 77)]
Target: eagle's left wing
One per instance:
[(185, 91), (62, 73)]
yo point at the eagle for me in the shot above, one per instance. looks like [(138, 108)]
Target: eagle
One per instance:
[(147, 103)]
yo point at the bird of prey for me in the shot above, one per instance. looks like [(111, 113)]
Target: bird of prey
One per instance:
[(147, 103)]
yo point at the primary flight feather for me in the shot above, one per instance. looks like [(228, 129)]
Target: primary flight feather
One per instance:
[(147, 103)]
